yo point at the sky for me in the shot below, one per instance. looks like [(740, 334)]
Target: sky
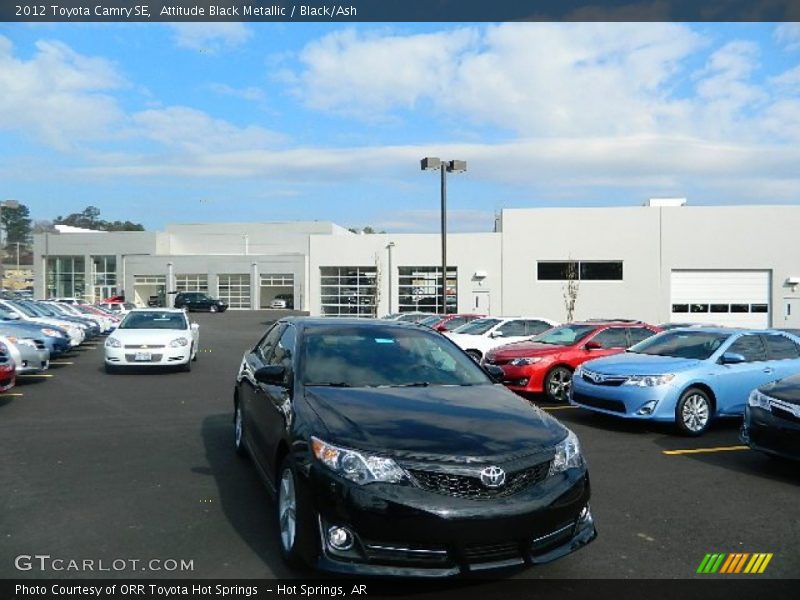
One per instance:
[(208, 122)]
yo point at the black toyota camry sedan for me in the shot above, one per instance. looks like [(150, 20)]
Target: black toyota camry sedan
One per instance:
[(772, 418), (391, 452)]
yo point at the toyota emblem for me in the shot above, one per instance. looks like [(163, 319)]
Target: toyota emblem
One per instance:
[(493, 477)]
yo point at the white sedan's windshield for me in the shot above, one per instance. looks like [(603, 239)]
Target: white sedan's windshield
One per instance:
[(153, 320)]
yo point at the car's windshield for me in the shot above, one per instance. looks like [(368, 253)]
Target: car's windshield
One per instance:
[(24, 309), (682, 343), (43, 309), (477, 327), (430, 321), (566, 335), (153, 319), (359, 356)]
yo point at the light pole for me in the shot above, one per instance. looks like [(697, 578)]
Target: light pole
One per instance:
[(444, 167), (389, 247)]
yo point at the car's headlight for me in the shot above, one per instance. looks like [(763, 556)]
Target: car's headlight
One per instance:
[(649, 380), (758, 400), (178, 342), (524, 362), (26, 342), (52, 333), (113, 343), (357, 466), (568, 454)]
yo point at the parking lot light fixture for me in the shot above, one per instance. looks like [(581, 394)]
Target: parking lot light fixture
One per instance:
[(444, 166)]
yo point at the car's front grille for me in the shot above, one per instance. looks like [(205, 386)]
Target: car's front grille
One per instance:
[(39, 344), (497, 361), (153, 358), (612, 405), (143, 346), (553, 539), (406, 554), (785, 414), (485, 553), (466, 486), (600, 379)]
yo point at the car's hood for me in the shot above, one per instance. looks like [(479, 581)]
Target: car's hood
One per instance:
[(149, 336), (527, 349), (449, 422), (629, 363), (18, 327), (787, 389)]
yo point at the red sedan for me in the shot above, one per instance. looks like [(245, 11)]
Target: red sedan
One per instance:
[(545, 363), (8, 372), (448, 322)]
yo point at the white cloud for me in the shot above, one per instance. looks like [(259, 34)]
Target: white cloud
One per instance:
[(250, 93), (543, 79), (210, 37), (788, 35), (458, 220), (58, 96)]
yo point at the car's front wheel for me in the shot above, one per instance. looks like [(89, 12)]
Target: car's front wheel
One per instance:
[(187, 366), (295, 518), (238, 431), (557, 384), (693, 413), (212, 308)]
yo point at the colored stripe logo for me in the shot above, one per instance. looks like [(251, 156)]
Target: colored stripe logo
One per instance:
[(736, 563)]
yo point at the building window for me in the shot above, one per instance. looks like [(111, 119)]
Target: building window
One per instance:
[(277, 286), (197, 282), (420, 289), (150, 290), (277, 279), (235, 290), (66, 277), (104, 276), (587, 270), (348, 291)]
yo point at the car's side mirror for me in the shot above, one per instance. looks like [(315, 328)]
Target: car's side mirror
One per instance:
[(194, 326), (495, 372), (271, 375), (592, 345), (497, 334), (732, 358)]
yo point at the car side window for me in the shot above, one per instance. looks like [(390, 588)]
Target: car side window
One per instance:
[(453, 323), (536, 327), (267, 343), (639, 334), (751, 347), (512, 328), (781, 348), (613, 337), (284, 349)]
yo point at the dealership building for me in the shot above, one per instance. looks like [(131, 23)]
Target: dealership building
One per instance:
[(664, 261)]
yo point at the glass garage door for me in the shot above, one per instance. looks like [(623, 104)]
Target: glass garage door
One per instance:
[(235, 290)]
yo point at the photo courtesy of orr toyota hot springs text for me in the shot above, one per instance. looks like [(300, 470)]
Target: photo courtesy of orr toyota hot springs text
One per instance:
[(399, 300)]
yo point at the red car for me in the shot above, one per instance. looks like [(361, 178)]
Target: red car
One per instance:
[(545, 363), (448, 322), (8, 371)]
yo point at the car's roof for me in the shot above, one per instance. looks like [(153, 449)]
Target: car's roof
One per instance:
[(608, 323), (726, 330), (156, 309), (349, 321)]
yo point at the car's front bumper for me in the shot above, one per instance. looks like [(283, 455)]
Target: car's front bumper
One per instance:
[(32, 360), (655, 403), (401, 530), (150, 357), (529, 378), (773, 432), (7, 377)]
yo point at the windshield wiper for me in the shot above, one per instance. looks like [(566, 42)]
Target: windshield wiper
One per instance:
[(413, 384), (330, 384)]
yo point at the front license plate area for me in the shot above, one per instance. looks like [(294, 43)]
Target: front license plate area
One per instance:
[(143, 357)]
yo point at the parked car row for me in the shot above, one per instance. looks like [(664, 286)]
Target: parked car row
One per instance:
[(34, 332)]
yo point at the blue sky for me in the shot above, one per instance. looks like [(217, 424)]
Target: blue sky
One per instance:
[(198, 122)]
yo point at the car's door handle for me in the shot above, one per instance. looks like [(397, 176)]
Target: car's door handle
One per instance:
[(769, 370)]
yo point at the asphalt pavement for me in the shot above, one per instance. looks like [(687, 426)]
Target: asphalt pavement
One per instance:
[(141, 466)]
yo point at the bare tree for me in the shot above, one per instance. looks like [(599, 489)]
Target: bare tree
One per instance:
[(571, 288)]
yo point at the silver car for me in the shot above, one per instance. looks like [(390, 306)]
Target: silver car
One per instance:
[(27, 355)]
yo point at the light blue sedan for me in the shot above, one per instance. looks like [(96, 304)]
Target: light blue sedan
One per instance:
[(686, 376)]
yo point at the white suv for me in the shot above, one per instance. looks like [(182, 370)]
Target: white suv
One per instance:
[(477, 337)]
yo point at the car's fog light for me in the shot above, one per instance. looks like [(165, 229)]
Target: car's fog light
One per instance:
[(523, 381), (585, 515), (648, 408), (340, 538)]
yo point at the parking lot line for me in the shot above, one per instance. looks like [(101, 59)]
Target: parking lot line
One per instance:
[(35, 375), (704, 450), (61, 362), (14, 394)]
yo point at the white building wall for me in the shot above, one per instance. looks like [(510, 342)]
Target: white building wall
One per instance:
[(470, 252)]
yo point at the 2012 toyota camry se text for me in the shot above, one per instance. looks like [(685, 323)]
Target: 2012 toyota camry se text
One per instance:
[(391, 452)]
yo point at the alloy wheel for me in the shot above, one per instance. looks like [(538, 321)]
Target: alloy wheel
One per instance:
[(559, 384), (695, 413), (238, 428), (287, 510)]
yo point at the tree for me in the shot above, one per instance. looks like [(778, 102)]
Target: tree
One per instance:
[(368, 230), (89, 218), (43, 226), (16, 224), (571, 288)]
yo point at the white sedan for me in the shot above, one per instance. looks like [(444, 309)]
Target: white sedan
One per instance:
[(477, 337), (153, 337)]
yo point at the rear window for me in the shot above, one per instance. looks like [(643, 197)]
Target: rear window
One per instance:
[(780, 347)]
